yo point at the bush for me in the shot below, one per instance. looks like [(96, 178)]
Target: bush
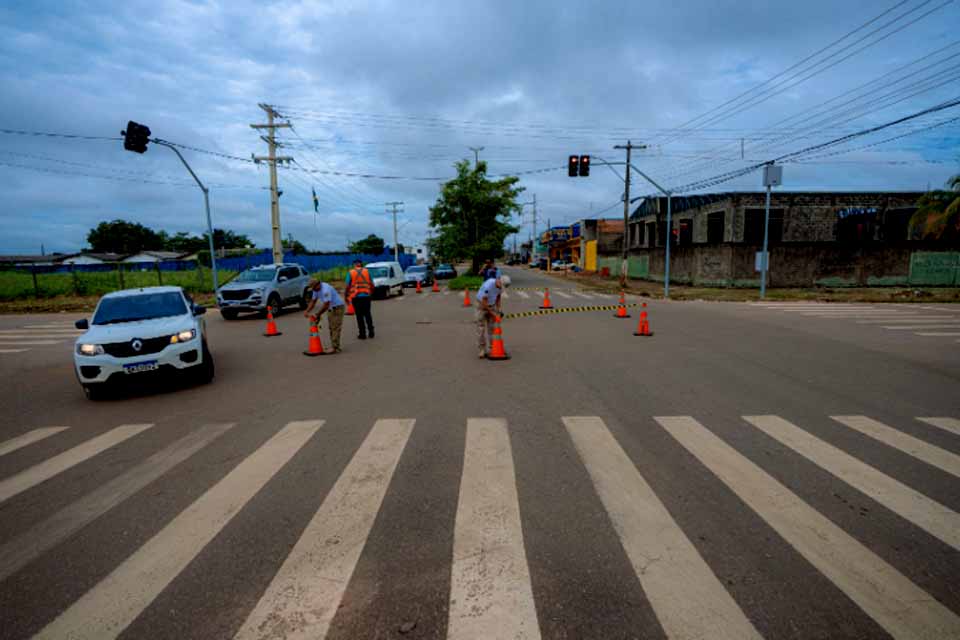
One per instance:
[(464, 282)]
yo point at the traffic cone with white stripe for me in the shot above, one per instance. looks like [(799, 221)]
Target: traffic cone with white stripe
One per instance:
[(622, 308), (497, 352), (271, 325), (314, 346), (546, 300), (643, 327)]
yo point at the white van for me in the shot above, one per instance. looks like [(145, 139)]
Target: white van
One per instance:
[(387, 278)]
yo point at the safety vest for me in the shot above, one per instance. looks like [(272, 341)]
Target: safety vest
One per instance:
[(360, 283)]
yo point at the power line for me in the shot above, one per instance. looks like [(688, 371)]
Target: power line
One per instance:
[(47, 134)]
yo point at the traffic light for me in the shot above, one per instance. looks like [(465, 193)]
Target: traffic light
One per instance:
[(584, 166), (573, 166), (136, 137)]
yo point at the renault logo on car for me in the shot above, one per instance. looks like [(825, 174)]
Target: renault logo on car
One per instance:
[(136, 344)]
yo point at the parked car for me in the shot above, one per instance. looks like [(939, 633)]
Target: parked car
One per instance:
[(445, 272), (387, 277), (272, 285), (418, 272), (142, 332), (542, 264)]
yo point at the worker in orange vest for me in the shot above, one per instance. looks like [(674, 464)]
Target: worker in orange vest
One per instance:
[(360, 291)]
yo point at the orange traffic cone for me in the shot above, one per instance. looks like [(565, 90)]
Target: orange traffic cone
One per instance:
[(546, 300), (271, 325), (350, 311), (436, 287), (419, 290), (315, 347), (466, 297), (622, 308), (643, 327), (497, 351)]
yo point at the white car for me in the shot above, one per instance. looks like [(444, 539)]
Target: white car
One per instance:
[(387, 278), (139, 333)]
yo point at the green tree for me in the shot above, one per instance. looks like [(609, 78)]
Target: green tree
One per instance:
[(124, 237), (185, 243), (226, 239), (372, 245), (294, 245), (938, 214), (471, 215)]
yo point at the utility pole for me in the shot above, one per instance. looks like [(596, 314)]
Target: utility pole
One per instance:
[(536, 239), (272, 159), (476, 155), (396, 248), (626, 209)]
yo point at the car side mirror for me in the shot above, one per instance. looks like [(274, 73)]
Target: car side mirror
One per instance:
[(282, 279), (199, 309), (82, 324)]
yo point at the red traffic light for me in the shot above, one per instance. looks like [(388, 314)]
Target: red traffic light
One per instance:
[(584, 166), (573, 166)]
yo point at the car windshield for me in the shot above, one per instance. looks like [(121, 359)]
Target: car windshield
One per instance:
[(139, 307), (256, 275), (445, 267), (378, 272), (416, 270)]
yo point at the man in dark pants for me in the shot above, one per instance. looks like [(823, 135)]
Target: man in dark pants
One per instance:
[(360, 291)]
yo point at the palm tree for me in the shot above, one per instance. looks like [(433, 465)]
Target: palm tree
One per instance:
[(938, 214)]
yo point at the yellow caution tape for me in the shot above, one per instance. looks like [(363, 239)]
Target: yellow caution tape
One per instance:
[(543, 312)]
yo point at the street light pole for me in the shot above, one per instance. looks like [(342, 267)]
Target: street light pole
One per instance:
[(206, 203)]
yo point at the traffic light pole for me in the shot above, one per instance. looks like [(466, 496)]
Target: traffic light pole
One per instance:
[(206, 204)]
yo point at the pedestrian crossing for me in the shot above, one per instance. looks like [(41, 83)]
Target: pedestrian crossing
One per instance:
[(29, 336), (928, 322), (493, 591)]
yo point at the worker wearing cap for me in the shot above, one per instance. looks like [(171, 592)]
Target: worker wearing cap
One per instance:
[(360, 291), (488, 308), (328, 300)]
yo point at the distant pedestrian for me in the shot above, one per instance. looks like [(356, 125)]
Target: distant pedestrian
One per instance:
[(360, 291), (489, 270), (488, 308), (325, 299)]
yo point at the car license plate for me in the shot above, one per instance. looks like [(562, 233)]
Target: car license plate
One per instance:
[(140, 367)]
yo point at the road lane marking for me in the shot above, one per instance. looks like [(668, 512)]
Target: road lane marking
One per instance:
[(931, 516), (490, 592), (21, 337), (43, 536), (896, 604), (689, 600), (58, 325), (583, 295), (28, 438), (306, 592), (947, 424), (523, 294), (109, 607), (69, 458), (13, 350), (917, 327), (934, 456), (557, 292), (5, 342), (912, 319), (936, 334), (25, 330)]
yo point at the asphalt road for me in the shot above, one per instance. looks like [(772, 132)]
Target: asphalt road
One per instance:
[(748, 471)]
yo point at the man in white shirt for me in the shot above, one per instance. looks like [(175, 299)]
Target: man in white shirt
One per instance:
[(488, 308), (328, 300)]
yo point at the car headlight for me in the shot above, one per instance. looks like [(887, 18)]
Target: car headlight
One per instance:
[(183, 336), (89, 349)]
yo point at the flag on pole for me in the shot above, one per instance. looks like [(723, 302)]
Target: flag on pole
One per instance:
[(316, 203)]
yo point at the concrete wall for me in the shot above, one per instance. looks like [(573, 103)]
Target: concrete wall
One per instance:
[(799, 265)]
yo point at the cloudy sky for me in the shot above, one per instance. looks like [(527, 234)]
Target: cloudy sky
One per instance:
[(403, 89)]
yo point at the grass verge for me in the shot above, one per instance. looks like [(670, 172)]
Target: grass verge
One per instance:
[(464, 282)]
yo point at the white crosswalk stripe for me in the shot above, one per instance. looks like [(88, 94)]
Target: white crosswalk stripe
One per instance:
[(523, 294), (28, 438), (107, 609), (581, 294), (937, 334), (927, 514), (934, 456), (45, 535), (947, 424), (557, 292), (59, 463), (908, 319), (680, 585), (893, 601), (300, 604), (14, 343), (491, 588), (490, 592), (13, 350), (913, 326)]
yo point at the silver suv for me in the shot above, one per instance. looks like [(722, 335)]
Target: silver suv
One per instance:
[(272, 285)]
